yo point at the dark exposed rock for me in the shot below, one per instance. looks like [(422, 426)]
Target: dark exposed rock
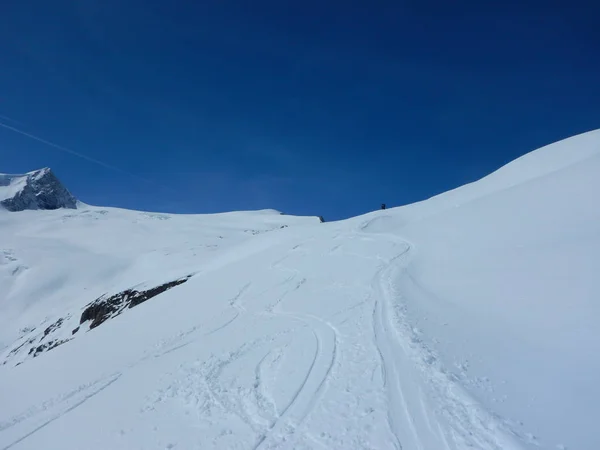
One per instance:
[(105, 308), (47, 346), (14, 351), (98, 312), (52, 327), (40, 190)]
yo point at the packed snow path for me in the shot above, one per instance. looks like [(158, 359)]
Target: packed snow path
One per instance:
[(298, 356)]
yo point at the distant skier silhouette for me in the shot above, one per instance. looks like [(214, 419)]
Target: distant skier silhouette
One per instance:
[(383, 206)]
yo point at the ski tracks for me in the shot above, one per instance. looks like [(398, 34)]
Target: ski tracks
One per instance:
[(426, 409), (396, 380), (312, 386), (170, 345), (237, 305), (314, 383), (69, 402), (222, 383)]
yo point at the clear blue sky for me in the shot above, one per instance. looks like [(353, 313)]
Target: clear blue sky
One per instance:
[(315, 107)]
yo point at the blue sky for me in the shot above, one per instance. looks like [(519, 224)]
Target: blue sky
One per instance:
[(313, 107)]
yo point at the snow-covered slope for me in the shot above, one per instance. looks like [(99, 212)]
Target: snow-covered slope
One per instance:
[(53, 261), (34, 190), (464, 321)]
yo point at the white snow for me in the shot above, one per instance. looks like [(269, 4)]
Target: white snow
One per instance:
[(11, 185), (464, 321)]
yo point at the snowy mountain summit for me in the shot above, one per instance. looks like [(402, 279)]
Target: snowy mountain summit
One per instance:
[(40, 189), (465, 321)]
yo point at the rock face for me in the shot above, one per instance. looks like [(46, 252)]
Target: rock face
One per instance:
[(40, 189), (105, 308), (33, 343)]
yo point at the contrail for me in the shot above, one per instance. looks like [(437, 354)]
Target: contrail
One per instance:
[(79, 155), (8, 119)]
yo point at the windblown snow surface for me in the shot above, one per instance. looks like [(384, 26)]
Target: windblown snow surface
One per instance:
[(469, 320)]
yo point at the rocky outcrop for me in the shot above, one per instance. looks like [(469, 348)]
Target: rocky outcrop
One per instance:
[(34, 190), (33, 343), (105, 308), (35, 351)]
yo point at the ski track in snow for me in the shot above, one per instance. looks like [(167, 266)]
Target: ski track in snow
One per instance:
[(236, 304), (174, 344), (406, 422), (205, 383), (87, 391), (314, 383), (404, 363), (312, 386)]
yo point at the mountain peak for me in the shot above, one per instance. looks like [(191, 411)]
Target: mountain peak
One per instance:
[(40, 172), (40, 189)]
